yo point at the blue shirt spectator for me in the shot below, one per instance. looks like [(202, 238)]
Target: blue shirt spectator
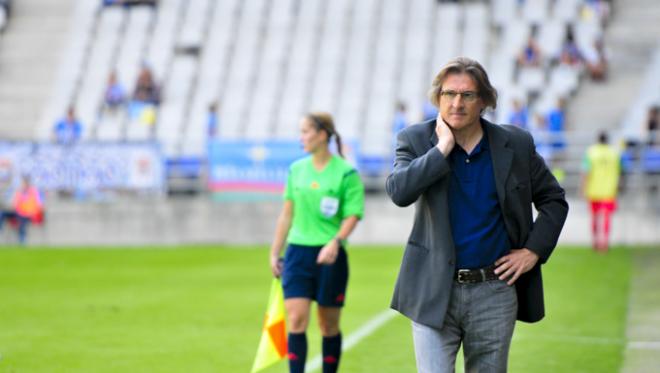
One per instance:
[(556, 120), (115, 94), (530, 55), (429, 111), (555, 125), (400, 121), (5, 10), (519, 115), (570, 54), (68, 130)]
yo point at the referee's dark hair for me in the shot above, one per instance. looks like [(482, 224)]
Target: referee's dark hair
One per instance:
[(323, 122)]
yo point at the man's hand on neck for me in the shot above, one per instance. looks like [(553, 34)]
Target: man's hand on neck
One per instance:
[(446, 139)]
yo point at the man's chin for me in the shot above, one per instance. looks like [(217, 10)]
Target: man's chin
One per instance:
[(455, 125)]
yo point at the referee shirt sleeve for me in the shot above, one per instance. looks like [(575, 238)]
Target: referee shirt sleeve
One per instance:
[(353, 195)]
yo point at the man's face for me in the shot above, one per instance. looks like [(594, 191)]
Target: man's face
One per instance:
[(462, 110)]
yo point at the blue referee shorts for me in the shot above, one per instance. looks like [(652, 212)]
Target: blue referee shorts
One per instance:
[(303, 278)]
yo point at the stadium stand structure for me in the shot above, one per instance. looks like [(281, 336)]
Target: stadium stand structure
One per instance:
[(29, 51), (267, 63), (633, 124)]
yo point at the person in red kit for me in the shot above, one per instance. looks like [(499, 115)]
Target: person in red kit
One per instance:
[(602, 170)]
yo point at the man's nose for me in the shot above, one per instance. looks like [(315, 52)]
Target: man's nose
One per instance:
[(457, 101)]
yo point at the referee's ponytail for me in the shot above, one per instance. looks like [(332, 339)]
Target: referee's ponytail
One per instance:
[(324, 122)]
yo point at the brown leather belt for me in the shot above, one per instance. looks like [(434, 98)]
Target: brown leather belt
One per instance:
[(473, 276)]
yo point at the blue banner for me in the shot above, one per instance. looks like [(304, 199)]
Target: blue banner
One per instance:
[(251, 166), (242, 169), (85, 167)]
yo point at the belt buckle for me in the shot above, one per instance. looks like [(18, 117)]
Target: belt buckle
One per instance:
[(461, 277)]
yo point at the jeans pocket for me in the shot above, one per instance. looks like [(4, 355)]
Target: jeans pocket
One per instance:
[(499, 286)]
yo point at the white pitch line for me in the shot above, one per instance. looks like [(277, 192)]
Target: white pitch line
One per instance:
[(354, 338), (583, 339), (633, 345)]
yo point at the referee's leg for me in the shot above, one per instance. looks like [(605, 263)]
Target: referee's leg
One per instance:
[(329, 325), (297, 310)]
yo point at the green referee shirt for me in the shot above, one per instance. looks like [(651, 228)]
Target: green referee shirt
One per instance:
[(322, 199)]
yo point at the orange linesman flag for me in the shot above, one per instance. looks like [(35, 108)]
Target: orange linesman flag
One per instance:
[(272, 347)]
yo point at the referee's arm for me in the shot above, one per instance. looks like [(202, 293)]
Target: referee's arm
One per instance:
[(281, 231)]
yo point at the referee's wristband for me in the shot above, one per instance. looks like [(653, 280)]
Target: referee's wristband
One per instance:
[(338, 240)]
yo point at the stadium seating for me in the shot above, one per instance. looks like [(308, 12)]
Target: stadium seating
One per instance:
[(649, 95), (267, 63)]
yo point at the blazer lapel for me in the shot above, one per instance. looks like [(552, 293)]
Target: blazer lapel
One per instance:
[(502, 157)]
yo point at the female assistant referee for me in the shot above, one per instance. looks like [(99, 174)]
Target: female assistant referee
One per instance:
[(323, 201)]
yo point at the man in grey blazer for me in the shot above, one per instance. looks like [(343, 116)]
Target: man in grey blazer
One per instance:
[(472, 264)]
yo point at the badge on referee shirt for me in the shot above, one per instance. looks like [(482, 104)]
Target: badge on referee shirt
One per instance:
[(329, 206)]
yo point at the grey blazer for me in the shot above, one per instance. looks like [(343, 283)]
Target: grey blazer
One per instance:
[(421, 176)]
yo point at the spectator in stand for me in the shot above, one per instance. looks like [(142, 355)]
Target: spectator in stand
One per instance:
[(212, 120), (595, 59), (68, 130), (146, 90), (598, 10), (600, 185), (652, 125), (553, 142), (400, 120), (130, 2), (530, 55), (28, 207), (519, 115), (399, 123), (555, 121), (6, 207), (5, 11), (570, 54), (429, 111), (115, 93), (146, 97)]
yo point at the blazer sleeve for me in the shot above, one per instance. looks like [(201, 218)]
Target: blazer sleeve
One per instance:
[(413, 174), (550, 202)]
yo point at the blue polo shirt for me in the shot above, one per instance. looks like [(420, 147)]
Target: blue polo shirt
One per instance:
[(476, 220)]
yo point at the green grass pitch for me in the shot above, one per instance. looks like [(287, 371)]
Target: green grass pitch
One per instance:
[(200, 309)]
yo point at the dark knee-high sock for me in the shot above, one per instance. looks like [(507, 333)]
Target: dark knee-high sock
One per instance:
[(297, 345), (331, 353)]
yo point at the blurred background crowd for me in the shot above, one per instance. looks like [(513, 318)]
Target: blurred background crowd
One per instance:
[(150, 100)]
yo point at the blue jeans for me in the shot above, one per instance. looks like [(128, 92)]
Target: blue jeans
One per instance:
[(480, 316)]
